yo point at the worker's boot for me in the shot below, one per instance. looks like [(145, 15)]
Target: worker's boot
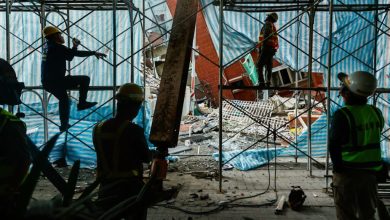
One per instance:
[(60, 163), (64, 127), (85, 105)]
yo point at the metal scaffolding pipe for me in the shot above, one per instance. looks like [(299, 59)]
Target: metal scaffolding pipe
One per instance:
[(7, 30), (310, 71), (220, 90), (114, 63), (328, 84), (132, 42)]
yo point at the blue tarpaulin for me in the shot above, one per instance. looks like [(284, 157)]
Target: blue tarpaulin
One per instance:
[(249, 159)]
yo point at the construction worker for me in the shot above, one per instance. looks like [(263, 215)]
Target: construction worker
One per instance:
[(354, 147), (267, 47), (14, 153), (121, 149), (53, 78)]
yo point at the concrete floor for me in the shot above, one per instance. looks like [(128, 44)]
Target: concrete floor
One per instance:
[(237, 184)]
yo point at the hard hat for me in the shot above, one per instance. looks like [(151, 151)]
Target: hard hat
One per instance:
[(274, 16), (360, 82), (50, 30), (130, 92), (10, 88)]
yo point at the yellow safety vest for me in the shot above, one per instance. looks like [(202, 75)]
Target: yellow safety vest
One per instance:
[(6, 170), (103, 170), (272, 41)]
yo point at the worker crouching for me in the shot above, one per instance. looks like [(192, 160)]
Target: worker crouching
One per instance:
[(121, 150)]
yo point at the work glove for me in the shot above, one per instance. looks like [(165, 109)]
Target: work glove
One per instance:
[(100, 55), (76, 42)]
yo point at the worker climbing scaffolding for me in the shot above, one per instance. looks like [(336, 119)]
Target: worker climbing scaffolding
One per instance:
[(53, 78)]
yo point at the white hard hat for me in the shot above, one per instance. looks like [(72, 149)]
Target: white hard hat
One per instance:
[(360, 82)]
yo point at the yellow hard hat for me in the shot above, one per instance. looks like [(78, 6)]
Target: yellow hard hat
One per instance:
[(50, 30), (130, 92)]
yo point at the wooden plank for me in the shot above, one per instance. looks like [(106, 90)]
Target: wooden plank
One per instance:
[(169, 106)]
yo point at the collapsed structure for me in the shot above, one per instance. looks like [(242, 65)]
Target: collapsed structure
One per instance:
[(224, 72)]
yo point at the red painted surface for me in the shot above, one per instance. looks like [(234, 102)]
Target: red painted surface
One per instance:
[(206, 64)]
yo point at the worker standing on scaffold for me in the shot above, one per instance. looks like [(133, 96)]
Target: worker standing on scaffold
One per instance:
[(53, 78), (268, 45)]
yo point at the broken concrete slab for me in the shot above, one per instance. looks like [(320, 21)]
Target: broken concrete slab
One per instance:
[(196, 138), (178, 149)]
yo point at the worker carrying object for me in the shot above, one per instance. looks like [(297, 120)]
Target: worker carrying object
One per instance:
[(53, 78), (267, 47), (121, 149), (14, 153), (354, 147)]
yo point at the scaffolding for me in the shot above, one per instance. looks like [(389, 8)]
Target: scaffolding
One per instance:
[(41, 8)]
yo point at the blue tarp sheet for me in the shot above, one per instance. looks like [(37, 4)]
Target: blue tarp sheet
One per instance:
[(249, 159), (353, 46), (94, 29)]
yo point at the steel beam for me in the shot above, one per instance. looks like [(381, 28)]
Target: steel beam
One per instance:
[(167, 116)]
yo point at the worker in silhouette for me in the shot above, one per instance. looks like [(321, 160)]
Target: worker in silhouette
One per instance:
[(15, 156), (268, 45), (53, 78), (121, 150), (354, 147)]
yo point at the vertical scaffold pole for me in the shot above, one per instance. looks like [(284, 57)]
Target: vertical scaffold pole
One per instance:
[(328, 84), (310, 70), (8, 39), (220, 89), (376, 17), (132, 41), (296, 92), (7, 30), (45, 98), (144, 61), (114, 62)]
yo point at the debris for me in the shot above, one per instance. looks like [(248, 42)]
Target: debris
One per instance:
[(171, 201), (315, 195), (227, 167), (205, 174), (178, 149), (196, 138), (194, 195), (204, 196), (280, 206), (222, 202), (210, 203)]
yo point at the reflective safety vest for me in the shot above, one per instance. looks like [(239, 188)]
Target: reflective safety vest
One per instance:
[(108, 168), (7, 171), (363, 150), (272, 40)]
